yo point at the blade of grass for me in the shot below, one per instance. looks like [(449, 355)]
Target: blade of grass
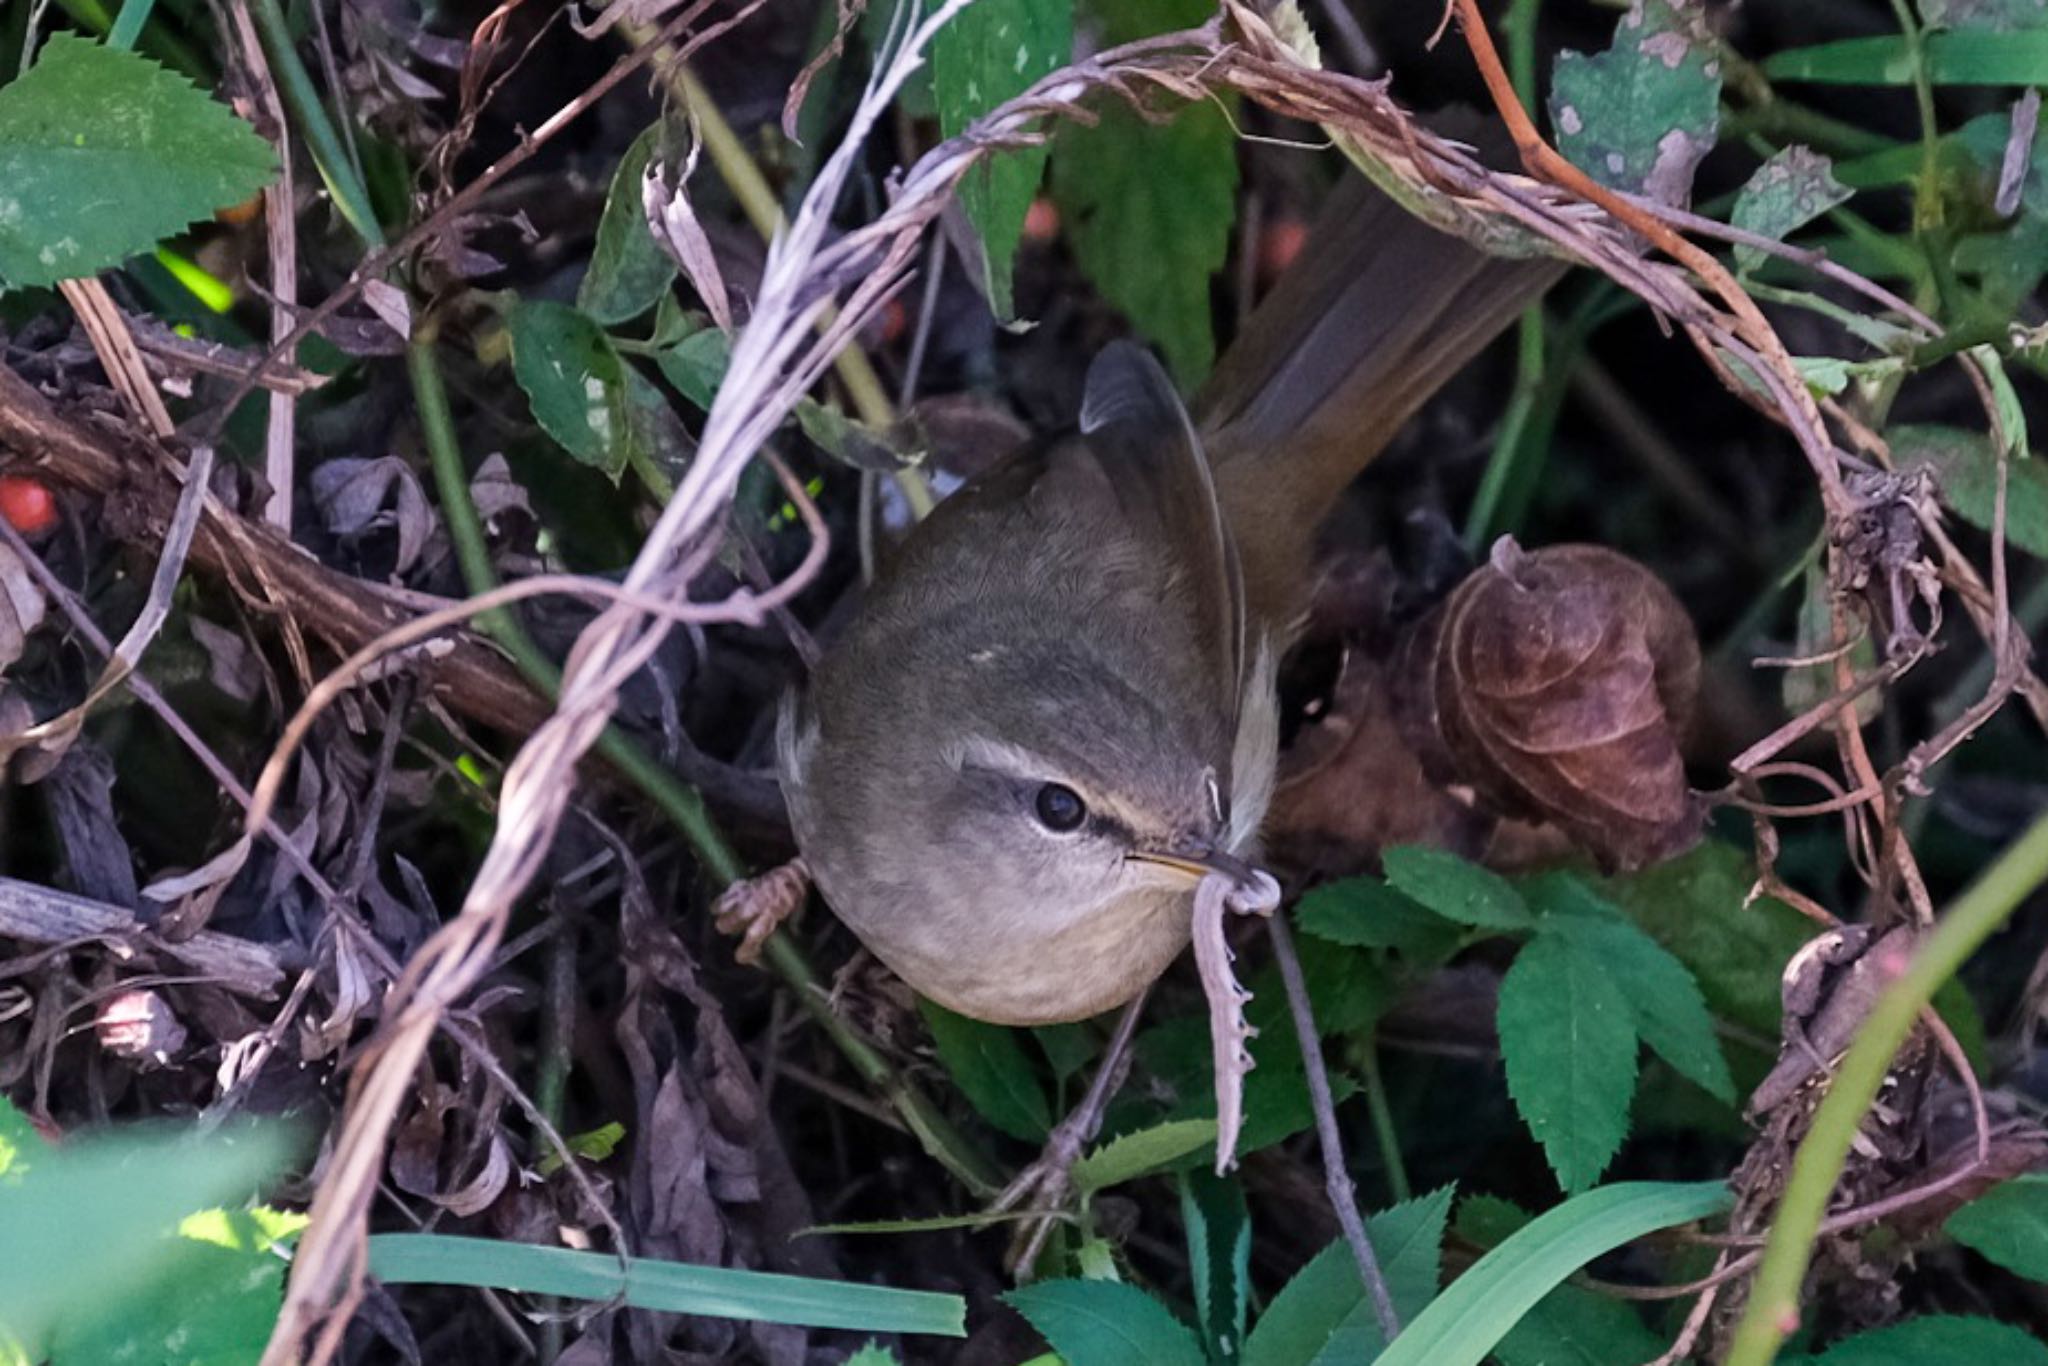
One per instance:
[(1958, 57), (1471, 1317), (669, 1287)]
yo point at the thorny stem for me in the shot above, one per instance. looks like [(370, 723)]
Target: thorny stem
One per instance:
[(1774, 1298), (1337, 1180), (680, 803)]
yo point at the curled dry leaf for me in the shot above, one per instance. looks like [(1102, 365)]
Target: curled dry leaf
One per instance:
[(358, 497), (665, 198), (1559, 684), (1230, 1033), (21, 606)]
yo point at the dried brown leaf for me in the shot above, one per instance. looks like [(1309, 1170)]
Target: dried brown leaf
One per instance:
[(1562, 682)]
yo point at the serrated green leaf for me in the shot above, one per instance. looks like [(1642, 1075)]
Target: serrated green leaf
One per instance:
[(1697, 906), (1219, 1253), (1364, 912), (873, 1353), (1966, 466), (104, 153), (1148, 208), (1664, 1000), (1939, 1340), (1478, 1309), (628, 271), (990, 51), (1322, 1317), (1106, 1323), (1963, 57), (2009, 1225), (1641, 115), (992, 1070), (1129, 1156), (1991, 16), (1794, 187), (1456, 889), (1568, 1037), (575, 382)]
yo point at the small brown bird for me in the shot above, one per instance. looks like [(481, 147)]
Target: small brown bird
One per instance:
[(1055, 712)]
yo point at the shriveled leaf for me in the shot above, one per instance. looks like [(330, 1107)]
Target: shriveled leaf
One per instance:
[(22, 606), (1323, 1316), (103, 153), (1568, 1038), (1665, 1001), (1148, 208), (357, 497), (1641, 115), (672, 222), (628, 272), (1564, 680), (1456, 889), (992, 1070), (856, 444), (1106, 1323), (1794, 187), (1966, 466), (990, 51), (1938, 1340), (2009, 1225), (575, 381)]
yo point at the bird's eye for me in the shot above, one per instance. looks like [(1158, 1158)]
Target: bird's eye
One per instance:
[(1060, 808)]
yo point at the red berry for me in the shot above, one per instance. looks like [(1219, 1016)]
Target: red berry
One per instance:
[(1279, 243), (892, 322), (27, 504), (1041, 221)]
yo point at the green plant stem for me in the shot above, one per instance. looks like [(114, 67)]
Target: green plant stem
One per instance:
[(158, 42), (295, 83), (1774, 1296), (681, 804), (750, 188), (1367, 1059)]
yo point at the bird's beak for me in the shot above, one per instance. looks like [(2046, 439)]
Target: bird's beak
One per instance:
[(1198, 861)]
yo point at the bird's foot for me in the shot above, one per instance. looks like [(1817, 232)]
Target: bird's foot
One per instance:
[(754, 908)]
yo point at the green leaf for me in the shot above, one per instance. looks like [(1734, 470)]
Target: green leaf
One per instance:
[(1132, 1155), (1478, 1309), (1148, 208), (1697, 906), (104, 153), (20, 1145), (696, 365), (1106, 1323), (1955, 57), (1663, 999), (990, 51), (628, 271), (873, 1353), (1966, 465), (1323, 1317), (1568, 1327), (1364, 912), (1994, 16), (2009, 1225), (90, 1225), (216, 1306), (992, 1070), (1567, 1035), (1939, 1340), (1456, 889), (670, 1287), (575, 382), (1219, 1253), (1641, 115), (1796, 186)]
